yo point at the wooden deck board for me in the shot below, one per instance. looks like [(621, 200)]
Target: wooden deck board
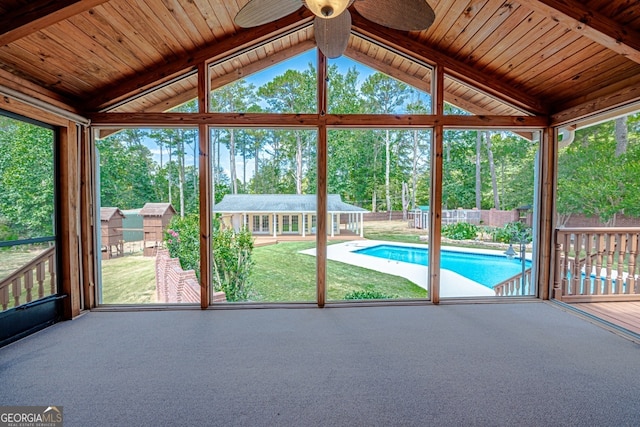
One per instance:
[(625, 314)]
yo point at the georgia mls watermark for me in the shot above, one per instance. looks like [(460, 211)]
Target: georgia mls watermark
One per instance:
[(31, 416)]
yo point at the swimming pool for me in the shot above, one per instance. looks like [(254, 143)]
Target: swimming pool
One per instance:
[(488, 270)]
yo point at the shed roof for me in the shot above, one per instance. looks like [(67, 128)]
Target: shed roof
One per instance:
[(274, 203), (156, 209), (107, 213)]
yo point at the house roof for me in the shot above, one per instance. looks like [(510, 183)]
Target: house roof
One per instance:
[(274, 203), (560, 58), (107, 213)]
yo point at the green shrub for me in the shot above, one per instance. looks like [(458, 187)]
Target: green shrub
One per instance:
[(231, 254), (513, 232), (182, 239), (232, 263), (367, 295), (460, 231)]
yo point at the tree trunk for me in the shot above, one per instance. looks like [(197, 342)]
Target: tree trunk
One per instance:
[(214, 168), (299, 154), (621, 136), (232, 161), (414, 169), (405, 200), (181, 177), (492, 168), (169, 173), (387, 174), (478, 171)]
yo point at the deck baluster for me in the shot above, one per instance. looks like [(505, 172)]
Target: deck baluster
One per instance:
[(4, 297), (565, 264), (40, 273), (557, 290), (599, 253), (15, 288), (588, 245), (28, 284), (633, 252), (611, 247), (576, 273), (52, 272), (622, 252)]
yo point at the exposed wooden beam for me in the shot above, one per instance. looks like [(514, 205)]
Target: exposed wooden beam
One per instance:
[(39, 14), (255, 67), (413, 81), (588, 22), (233, 44), (239, 120), (620, 96), (236, 74), (400, 42)]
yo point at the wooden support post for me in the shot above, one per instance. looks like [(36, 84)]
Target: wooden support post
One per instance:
[(321, 190), (435, 226), (69, 213), (206, 202), (87, 213), (546, 215)]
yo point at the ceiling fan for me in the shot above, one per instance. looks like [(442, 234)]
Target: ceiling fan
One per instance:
[(332, 24)]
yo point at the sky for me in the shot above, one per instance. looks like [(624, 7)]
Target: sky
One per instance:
[(299, 63)]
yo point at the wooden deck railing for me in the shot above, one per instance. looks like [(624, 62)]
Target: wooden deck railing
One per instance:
[(596, 264), (513, 286), (21, 282)]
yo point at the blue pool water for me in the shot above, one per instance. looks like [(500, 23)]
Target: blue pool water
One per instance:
[(487, 270)]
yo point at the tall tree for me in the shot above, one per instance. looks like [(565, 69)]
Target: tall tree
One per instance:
[(478, 170), (492, 170), (621, 135), (384, 95), (26, 180), (238, 96), (293, 92)]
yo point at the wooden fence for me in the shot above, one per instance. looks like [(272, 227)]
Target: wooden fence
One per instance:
[(18, 288), (596, 264)]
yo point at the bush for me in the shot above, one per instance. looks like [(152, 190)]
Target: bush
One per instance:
[(232, 263), (513, 232), (231, 254), (460, 231), (367, 295), (182, 239)]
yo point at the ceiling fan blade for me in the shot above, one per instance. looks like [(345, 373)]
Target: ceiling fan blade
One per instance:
[(259, 12), (405, 15), (332, 35)]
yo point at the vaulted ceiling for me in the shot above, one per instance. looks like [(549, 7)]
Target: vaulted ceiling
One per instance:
[(562, 58)]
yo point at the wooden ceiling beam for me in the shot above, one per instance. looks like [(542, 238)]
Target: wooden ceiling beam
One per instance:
[(610, 99), (399, 41), (39, 14), (242, 40), (244, 120), (236, 74), (591, 24), (424, 85)]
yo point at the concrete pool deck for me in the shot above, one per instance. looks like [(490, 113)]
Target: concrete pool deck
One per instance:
[(451, 284)]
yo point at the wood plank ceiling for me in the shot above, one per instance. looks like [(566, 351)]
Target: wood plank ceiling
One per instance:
[(501, 57)]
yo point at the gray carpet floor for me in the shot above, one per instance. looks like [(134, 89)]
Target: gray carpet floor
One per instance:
[(524, 364)]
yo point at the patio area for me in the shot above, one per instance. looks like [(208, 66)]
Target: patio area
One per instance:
[(452, 284)]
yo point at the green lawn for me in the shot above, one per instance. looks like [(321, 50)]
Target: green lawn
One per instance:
[(282, 274), (130, 279)]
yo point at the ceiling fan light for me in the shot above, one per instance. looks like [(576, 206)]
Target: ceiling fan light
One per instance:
[(327, 8)]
